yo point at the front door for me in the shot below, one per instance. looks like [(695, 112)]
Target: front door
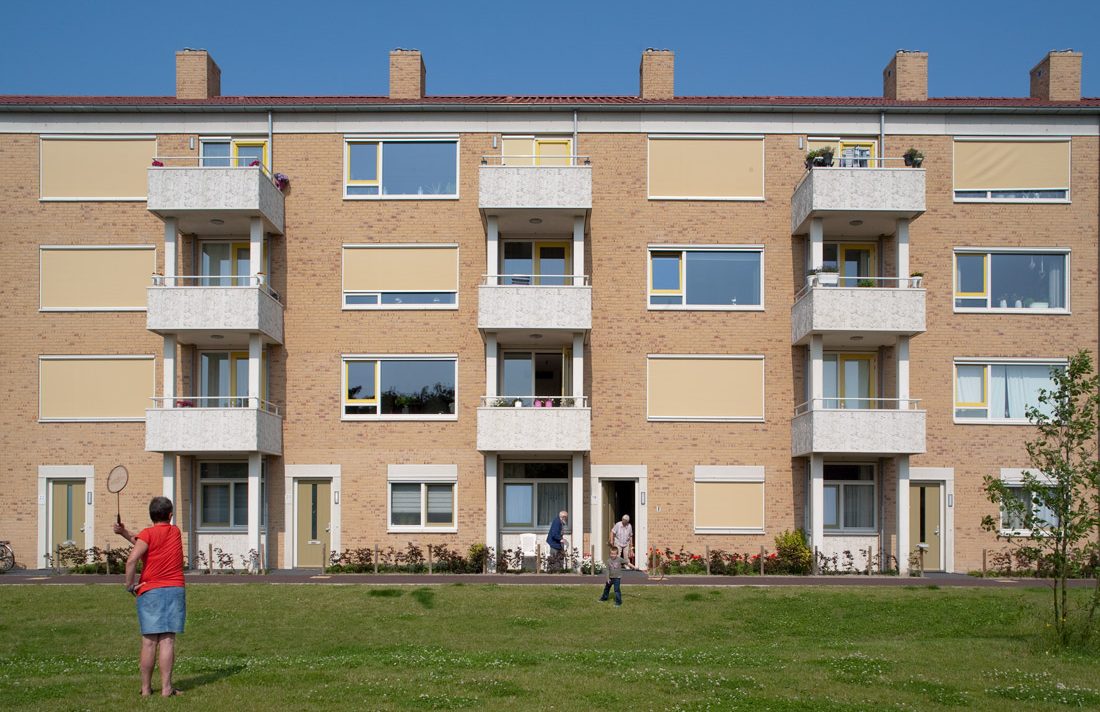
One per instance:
[(924, 523), (313, 522), (67, 514), (618, 499)]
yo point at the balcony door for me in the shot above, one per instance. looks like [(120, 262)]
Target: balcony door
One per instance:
[(536, 377), (536, 151), (223, 379), (850, 380), (224, 264), (536, 263), (854, 262), (857, 154)]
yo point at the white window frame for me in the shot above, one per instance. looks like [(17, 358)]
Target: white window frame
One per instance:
[(504, 481), (398, 307), (422, 475), (990, 198), (46, 248), (989, 252), (1013, 478), (988, 363), (200, 482), (751, 474), (382, 139), (683, 250), (233, 140), (840, 529), (345, 358)]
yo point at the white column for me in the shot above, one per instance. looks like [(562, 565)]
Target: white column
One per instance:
[(817, 371), (578, 366), (817, 501), (902, 237), (491, 501), (168, 481), (256, 246), (903, 515), (576, 513), (902, 351), (490, 365), (255, 354), (492, 246), (817, 244), (168, 387), (255, 465), (578, 250), (170, 258)]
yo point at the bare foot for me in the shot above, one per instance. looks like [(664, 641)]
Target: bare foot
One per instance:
[(171, 692)]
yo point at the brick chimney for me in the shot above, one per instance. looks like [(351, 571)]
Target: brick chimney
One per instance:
[(197, 75), (656, 74), (906, 76), (1057, 77), (407, 74)]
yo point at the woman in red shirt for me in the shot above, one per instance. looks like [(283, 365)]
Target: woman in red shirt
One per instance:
[(161, 605)]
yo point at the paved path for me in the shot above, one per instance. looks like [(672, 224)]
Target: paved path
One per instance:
[(38, 578)]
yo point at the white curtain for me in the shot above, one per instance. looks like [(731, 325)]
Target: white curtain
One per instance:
[(1055, 288), (1020, 389), (971, 383)]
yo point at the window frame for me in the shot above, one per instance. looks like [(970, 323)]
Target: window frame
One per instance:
[(505, 527), (379, 305), (988, 363), (987, 277), (683, 250), (380, 141), (1014, 479), (840, 529), (379, 359), (199, 495), (234, 145), (424, 483), (989, 194)]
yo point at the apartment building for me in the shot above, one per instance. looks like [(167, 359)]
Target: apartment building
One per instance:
[(320, 323)]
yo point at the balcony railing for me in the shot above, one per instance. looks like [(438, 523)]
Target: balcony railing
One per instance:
[(496, 159), (535, 280), (856, 403), (203, 280), (534, 401), (537, 424), (217, 402), (832, 279)]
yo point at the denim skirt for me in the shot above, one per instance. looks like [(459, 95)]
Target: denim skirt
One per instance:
[(162, 610)]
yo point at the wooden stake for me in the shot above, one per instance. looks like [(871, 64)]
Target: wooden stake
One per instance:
[(538, 558), (324, 557), (429, 558), (210, 561), (984, 553), (816, 568), (376, 559), (593, 571), (707, 549), (761, 559)]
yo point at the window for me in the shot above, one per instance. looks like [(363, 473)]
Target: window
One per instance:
[(233, 153), (729, 499), (848, 152), (849, 497), (414, 387), (706, 167), (223, 495), (227, 264), (1012, 170), (547, 376), (223, 379), (705, 388), (95, 167), (103, 388), (1034, 515), (108, 278), (401, 168), (1000, 392), (408, 276), (1013, 280), (849, 380), (536, 263), (856, 264), (536, 151), (706, 278), (422, 505), (534, 493)]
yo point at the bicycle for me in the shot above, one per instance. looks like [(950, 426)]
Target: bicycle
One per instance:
[(7, 557)]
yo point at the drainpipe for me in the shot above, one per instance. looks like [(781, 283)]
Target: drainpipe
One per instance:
[(882, 138), (575, 149), (270, 143)]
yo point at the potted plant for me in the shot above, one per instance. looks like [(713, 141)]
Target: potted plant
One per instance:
[(282, 181), (819, 157), (865, 283), (824, 276), (916, 279), (913, 158)]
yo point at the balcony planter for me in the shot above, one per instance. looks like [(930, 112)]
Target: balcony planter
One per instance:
[(824, 277), (819, 158), (913, 158)]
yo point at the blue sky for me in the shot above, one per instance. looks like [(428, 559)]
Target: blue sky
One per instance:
[(976, 47)]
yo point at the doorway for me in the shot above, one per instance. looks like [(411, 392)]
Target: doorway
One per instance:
[(67, 514), (617, 498), (313, 521), (925, 524)]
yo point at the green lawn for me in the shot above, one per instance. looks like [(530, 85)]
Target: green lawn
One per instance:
[(549, 647)]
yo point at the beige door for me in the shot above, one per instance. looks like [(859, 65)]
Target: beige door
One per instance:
[(924, 523), (67, 514), (313, 519)]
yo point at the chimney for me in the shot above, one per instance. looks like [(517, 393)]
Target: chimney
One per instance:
[(406, 74), (1057, 77), (656, 74), (906, 76), (197, 75)]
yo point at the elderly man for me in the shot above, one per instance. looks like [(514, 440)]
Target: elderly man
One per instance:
[(622, 536), (554, 541)]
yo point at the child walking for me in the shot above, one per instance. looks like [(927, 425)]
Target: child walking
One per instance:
[(615, 565)]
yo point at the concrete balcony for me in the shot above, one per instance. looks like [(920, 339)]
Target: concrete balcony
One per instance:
[(526, 307), (859, 431), (565, 427), (877, 314), (195, 313), (214, 431), (199, 197), (876, 197), (535, 187)]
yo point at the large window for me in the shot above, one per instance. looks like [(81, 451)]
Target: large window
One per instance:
[(401, 168), (849, 497), (223, 495), (402, 276), (233, 153), (706, 278), (422, 505), (990, 280), (534, 493), (1012, 170), (412, 387), (1000, 392)]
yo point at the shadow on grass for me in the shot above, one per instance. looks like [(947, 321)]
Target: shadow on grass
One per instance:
[(190, 682), (385, 593), (424, 597)]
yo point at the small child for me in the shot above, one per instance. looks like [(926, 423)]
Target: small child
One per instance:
[(615, 566)]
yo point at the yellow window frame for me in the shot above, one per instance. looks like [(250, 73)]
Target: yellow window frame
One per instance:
[(667, 253), (984, 403), (236, 357), (873, 145), (984, 294), (236, 145), (377, 167), (567, 142), (842, 250), (872, 376), (536, 256), (377, 383)]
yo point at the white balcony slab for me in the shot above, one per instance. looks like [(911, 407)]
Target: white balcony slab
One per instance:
[(213, 430), (878, 315), (196, 196), (193, 313), (525, 187), (534, 307), (509, 429), (877, 196), (858, 432)]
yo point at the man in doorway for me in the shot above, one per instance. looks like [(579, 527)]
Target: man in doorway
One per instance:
[(622, 536), (556, 560)]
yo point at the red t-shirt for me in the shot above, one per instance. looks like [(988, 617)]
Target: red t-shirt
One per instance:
[(163, 566)]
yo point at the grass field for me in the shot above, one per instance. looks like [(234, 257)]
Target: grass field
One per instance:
[(275, 647)]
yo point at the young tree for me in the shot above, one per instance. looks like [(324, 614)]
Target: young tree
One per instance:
[(1056, 506)]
